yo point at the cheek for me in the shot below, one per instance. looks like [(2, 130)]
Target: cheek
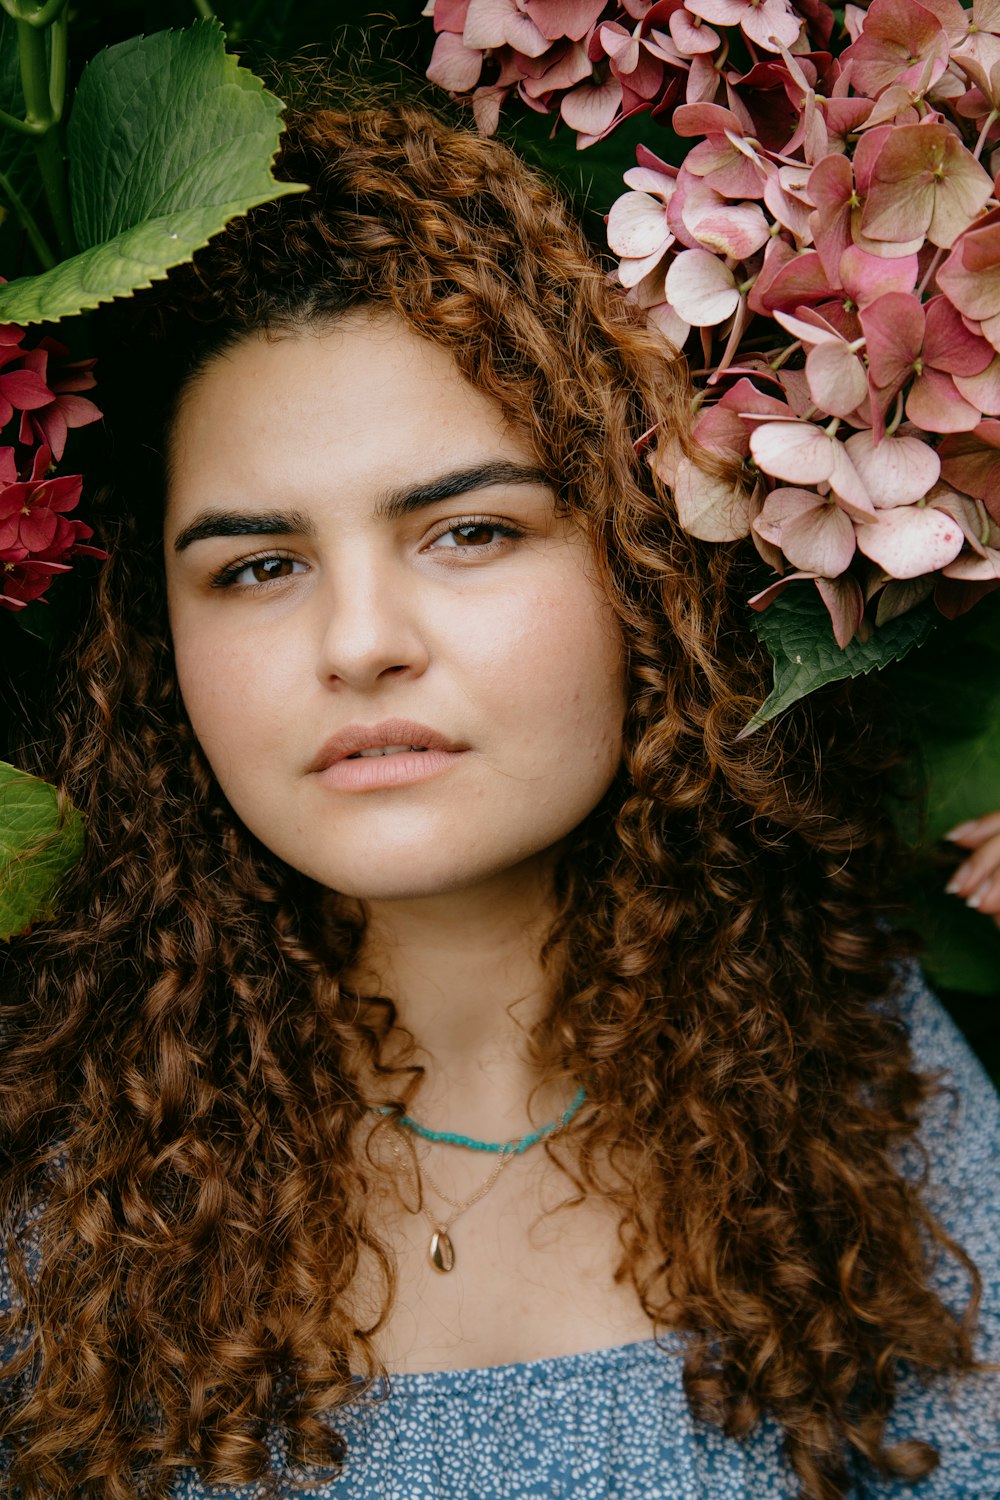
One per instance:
[(230, 700), (571, 681)]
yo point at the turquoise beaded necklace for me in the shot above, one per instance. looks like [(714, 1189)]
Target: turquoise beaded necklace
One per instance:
[(509, 1148)]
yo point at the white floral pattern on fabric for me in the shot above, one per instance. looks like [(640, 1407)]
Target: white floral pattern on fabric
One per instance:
[(614, 1424)]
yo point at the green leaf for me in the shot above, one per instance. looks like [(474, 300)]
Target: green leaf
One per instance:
[(797, 632), (169, 139), (961, 948), (961, 740), (20, 183), (39, 843), (952, 692)]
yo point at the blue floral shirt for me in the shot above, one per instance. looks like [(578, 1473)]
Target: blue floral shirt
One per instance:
[(614, 1424)]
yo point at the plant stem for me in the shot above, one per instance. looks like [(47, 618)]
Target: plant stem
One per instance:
[(58, 57), (28, 223), (39, 111), (991, 120), (244, 26), (40, 17), (897, 417), (779, 359), (204, 10), (21, 126), (935, 261)]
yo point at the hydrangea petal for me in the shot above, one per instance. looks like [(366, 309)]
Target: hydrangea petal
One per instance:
[(780, 507), (970, 276), (498, 23), (901, 595), (735, 229), (632, 272), (948, 343), (559, 18), (646, 180), (791, 213), (935, 404), (975, 569), (897, 38), (668, 322), (848, 486), (708, 507), (982, 390), (968, 459), (796, 451), (837, 379), (924, 182), (845, 605), (910, 540), (896, 471), (894, 334), (25, 390), (866, 277), (971, 515), (453, 65), (766, 596), (637, 226), (812, 532), (701, 288), (591, 109), (689, 36), (771, 25)]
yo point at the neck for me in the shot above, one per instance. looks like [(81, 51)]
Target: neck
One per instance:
[(466, 977)]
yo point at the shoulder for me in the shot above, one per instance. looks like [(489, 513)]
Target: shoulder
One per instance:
[(956, 1158), (957, 1152)]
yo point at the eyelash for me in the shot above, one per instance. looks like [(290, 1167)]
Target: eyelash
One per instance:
[(506, 529), (225, 577)]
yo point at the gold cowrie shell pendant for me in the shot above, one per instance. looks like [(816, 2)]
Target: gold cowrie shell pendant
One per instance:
[(442, 1251)]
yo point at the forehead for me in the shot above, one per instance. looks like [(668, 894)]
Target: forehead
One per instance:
[(358, 405)]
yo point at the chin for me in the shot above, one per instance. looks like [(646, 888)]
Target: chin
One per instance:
[(412, 876), (398, 885)]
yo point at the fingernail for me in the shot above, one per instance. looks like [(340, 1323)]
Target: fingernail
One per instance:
[(953, 886), (960, 831), (975, 900)]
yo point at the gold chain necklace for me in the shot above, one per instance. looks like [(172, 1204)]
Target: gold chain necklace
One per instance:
[(441, 1248)]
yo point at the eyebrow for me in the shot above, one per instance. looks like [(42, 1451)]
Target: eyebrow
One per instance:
[(391, 506)]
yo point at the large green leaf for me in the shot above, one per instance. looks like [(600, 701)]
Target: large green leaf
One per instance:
[(39, 842), (169, 139), (797, 632)]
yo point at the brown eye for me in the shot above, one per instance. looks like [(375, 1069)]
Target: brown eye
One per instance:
[(477, 534), (259, 570), (267, 568)]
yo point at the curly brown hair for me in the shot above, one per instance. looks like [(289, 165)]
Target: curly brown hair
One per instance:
[(183, 1078)]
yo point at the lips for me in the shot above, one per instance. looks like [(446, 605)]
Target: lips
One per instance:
[(388, 735)]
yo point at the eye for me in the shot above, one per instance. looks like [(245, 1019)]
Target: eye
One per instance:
[(477, 534), (256, 571)]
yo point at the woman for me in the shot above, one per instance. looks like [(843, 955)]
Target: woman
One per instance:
[(448, 992)]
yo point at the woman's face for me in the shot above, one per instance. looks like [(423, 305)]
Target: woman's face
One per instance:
[(362, 556)]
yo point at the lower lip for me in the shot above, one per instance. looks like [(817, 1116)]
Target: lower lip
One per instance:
[(374, 773)]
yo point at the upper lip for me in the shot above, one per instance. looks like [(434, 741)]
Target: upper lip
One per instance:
[(355, 737)]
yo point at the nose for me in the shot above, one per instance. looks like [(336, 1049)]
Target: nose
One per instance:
[(371, 626)]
